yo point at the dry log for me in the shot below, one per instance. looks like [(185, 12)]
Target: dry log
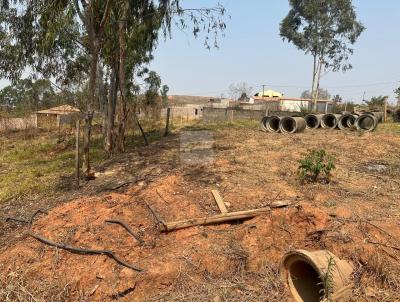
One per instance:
[(230, 216)]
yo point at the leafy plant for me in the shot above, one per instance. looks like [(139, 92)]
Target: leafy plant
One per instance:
[(327, 282), (314, 164), (326, 30)]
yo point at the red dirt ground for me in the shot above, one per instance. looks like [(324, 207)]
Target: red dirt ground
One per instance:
[(225, 261)]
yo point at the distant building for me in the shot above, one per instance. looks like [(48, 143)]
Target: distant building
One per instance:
[(57, 116)]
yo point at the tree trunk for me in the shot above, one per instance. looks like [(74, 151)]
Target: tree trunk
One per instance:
[(94, 50), (102, 97), (318, 78), (313, 83), (112, 101), (123, 114)]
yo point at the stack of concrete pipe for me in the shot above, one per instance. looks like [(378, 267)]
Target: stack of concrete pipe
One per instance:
[(367, 122)]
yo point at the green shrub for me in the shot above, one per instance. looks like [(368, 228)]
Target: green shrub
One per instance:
[(315, 164)]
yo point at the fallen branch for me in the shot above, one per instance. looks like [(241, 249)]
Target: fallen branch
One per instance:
[(30, 221), (381, 229), (76, 250), (34, 215), (16, 220), (128, 229), (158, 219), (230, 216), (122, 184), (384, 244)]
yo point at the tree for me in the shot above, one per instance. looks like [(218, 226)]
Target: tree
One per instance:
[(376, 102), (164, 95), (26, 95), (45, 36), (153, 82), (337, 98), (326, 30), (239, 91), (397, 92), (323, 94)]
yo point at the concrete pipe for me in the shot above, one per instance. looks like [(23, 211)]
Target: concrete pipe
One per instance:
[(290, 124), (396, 116), (313, 121), (330, 120), (346, 121), (366, 122), (304, 271), (378, 115), (263, 123), (272, 124)]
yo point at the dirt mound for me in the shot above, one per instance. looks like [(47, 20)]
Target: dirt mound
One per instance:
[(215, 251), (355, 217)]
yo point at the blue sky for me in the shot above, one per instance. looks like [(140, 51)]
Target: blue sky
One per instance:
[(252, 51)]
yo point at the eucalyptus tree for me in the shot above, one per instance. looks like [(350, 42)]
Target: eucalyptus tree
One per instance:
[(70, 37), (326, 29), (139, 25)]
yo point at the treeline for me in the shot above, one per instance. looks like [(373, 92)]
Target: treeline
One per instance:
[(97, 52)]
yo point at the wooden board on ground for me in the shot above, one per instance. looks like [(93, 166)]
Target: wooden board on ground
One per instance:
[(219, 201)]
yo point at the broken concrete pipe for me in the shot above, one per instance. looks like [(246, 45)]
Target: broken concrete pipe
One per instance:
[(366, 122), (291, 124), (346, 121), (272, 124), (330, 120), (305, 272), (396, 116), (313, 121)]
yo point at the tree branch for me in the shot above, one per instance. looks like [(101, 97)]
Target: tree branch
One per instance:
[(105, 16)]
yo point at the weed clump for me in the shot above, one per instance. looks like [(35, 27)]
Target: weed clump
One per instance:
[(316, 164)]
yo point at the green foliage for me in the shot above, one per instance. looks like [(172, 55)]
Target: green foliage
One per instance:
[(338, 108), (314, 164), (376, 102), (153, 82), (28, 95), (397, 92), (324, 30), (164, 95), (328, 283), (337, 98)]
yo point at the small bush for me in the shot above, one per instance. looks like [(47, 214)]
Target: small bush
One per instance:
[(316, 163)]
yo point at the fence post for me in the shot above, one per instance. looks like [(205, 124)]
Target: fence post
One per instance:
[(77, 163), (167, 122), (385, 109)]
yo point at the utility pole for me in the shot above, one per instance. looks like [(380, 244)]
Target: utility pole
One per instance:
[(263, 89)]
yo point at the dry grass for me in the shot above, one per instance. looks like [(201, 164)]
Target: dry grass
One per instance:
[(14, 288), (263, 285)]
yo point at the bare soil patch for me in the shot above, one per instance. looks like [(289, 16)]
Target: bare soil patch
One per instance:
[(356, 216)]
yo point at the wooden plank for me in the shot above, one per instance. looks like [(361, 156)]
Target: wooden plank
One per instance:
[(219, 201), (220, 218)]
